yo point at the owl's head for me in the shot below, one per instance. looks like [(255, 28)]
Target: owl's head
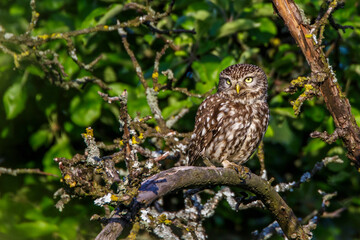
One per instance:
[(243, 82)]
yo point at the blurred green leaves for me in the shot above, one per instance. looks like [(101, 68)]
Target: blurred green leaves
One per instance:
[(61, 148), (14, 99), (236, 26), (40, 138), (35, 229), (86, 108), (90, 20), (38, 219)]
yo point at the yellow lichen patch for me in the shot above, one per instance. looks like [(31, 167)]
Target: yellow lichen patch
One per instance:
[(37, 14), (134, 141), (341, 94), (69, 181), (121, 143), (56, 35), (168, 222), (24, 54), (155, 75), (114, 198), (157, 128), (297, 103), (134, 231), (299, 81), (72, 184), (18, 57), (334, 4), (16, 61), (106, 27), (156, 89), (89, 132), (43, 37), (308, 35), (141, 136), (162, 219), (308, 87)]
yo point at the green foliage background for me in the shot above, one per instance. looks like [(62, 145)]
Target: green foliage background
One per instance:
[(39, 121)]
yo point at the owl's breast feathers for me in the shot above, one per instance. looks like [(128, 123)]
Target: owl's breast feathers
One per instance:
[(227, 130)]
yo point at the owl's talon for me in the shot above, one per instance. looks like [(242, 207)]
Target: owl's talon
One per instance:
[(244, 172)]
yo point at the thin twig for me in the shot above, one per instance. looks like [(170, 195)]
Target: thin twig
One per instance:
[(15, 172), (168, 32), (282, 187)]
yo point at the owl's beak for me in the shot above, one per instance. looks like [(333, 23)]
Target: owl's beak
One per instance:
[(237, 88)]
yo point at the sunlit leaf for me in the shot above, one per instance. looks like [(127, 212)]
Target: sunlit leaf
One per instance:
[(61, 148), (86, 108), (14, 99), (237, 26), (288, 111), (40, 138), (265, 32), (36, 229), (109, 74), (91, 20), (269, 132)]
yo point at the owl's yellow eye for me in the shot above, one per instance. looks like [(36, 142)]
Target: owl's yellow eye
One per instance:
[(248, 79), (228, 82)]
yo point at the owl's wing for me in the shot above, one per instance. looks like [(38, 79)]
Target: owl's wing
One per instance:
[(211, 122), (202, 133)]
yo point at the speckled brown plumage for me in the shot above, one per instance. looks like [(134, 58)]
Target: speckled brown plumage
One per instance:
[(231, 123)]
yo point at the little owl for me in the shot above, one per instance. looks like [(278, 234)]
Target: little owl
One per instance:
[(231, 123)]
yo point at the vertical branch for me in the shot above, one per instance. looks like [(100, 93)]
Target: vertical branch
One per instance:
[(155, 74), (131, 162), (136, 64), (34, 17), (150, 92), (322, 74)]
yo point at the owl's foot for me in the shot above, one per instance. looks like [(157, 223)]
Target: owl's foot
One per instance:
[(242, 171), (208, 163)]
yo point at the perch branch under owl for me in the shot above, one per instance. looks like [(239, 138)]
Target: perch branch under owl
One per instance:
[(184, 177)]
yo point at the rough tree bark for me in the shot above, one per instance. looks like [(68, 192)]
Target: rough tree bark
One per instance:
[(321, 72), (185, 177)]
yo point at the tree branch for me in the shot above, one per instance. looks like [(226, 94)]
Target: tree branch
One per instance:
[(15, 172), (185, 177), (322, 74)]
